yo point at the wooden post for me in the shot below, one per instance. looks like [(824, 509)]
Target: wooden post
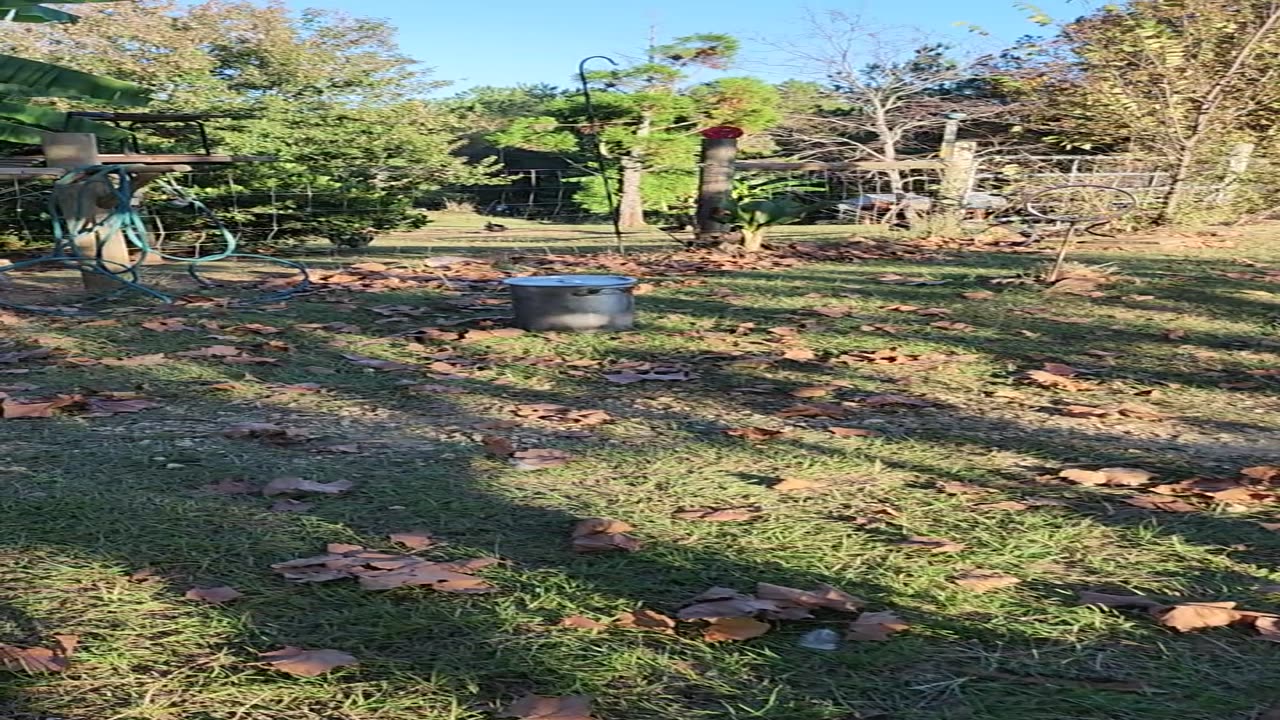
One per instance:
[(950, 135), (958, 176), (715, 189), (84, 206), (1237, 165)]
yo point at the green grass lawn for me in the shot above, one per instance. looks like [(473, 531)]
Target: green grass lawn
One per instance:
[(88, 502)]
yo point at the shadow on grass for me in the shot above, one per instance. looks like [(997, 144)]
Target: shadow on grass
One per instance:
[(122, 507)]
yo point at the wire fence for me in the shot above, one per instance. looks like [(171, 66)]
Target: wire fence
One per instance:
[(264, 207)]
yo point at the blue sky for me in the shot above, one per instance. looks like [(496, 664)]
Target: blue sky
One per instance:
[(505, 42)]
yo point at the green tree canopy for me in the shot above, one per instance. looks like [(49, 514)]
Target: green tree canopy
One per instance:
[(22, 79), (648, 118), (331, 96)]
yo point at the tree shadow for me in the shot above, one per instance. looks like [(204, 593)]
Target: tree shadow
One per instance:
[(424, 468)]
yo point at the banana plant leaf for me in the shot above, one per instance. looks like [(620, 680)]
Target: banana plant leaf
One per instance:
[(37, 14), (5, 4), (31, 78), (50, 119), (31, 11), (21, 134)]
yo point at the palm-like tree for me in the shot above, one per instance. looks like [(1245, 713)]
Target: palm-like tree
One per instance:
[(22, 79)]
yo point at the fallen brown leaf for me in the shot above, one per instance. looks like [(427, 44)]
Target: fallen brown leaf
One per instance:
[(796, 484), (550, 412), (1268, 628), (540, 707), (932, 544), (16, 410), (1262, 473), (416, 540), (307, 663), (1116, 477), (813, 391), (379, 365), (498, 446), (164, 325), (876, 627), (581, 623), (882, 327), (832, 311), (1161, 503), (386, 571), (646, 620), (539, 459), (213, 351), (799, 355), (822, 596), (729, 603), (448, 577), (735, 629), (985, 580), (978, 295), (137, 361), (595, 535), (1046, 378), (1196, 616), (657, 375), (1126, 410), (755, 434), (213, 595), (34, 660), (299, 486), (266, 431), (848, 432), (813, 410)]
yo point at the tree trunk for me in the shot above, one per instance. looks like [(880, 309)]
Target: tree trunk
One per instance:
[(752, 240), (1177, 187), (897, 184), (631, 198)]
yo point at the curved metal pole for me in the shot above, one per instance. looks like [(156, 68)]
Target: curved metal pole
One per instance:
[(601, 162)]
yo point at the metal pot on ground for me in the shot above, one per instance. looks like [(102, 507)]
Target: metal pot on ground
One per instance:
[(576, 303)]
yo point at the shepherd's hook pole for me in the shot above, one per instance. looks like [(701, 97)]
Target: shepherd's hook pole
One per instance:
[(601, 162)]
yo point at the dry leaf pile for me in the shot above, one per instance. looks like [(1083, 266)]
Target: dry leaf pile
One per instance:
[(542, 707), (307, 663), (36, 660), (550, 412), (1255, 486), (386, 571), (526, 460), (635, 372), (105, 404), (1189, 617), (732, 615)]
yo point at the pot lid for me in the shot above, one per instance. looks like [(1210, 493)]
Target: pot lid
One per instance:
[(592, 281)]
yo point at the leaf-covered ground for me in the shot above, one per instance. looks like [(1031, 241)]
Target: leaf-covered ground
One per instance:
[(930, 463)]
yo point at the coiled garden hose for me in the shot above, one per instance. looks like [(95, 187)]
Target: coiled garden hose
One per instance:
[(123, 218)]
